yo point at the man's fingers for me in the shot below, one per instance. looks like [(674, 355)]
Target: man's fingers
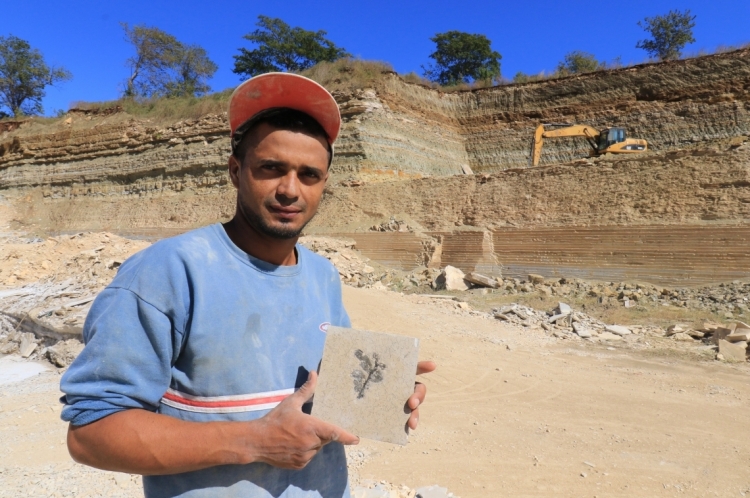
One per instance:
[(329, 432), (305, 392), (424, 367), (416, 399), (413, 419)]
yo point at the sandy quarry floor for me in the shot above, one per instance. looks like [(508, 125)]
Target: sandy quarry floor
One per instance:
[(510, 412)]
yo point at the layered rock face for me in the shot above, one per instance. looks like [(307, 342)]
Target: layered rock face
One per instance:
[(400, 130), (120, 173)]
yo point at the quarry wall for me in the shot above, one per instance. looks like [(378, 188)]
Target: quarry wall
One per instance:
[(120, 173)]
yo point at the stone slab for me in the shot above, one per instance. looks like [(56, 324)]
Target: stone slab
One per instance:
[(617, 329), (733, 351), (479, 279), (563, 309), (365, 380), (738, 336), (582, 331)]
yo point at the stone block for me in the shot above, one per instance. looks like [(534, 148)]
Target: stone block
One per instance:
[(28, 344), (617, 329), (733, 351), (563, 309), (675, 329), (479, 279), (582, 331), (536, 279), (451, 278), (682, 336), (365, 380), (741, 336)]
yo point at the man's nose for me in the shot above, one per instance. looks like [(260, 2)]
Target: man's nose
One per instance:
[(289, 186)]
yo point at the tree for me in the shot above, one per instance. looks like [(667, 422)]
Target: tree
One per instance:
[(24, 75), (462, 57), (577, 62), (669, 34), (191, 68), (283, 48), (163, 66)]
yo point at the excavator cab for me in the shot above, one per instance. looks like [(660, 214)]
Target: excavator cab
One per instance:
[(610, 136)]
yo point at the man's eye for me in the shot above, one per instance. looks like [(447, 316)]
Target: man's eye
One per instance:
[(311, 174)]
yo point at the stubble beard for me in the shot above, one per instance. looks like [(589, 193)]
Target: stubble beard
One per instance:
[(259, 224)]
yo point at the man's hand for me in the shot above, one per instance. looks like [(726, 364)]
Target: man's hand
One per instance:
[(290, 438), (420, 391), (141, 442)]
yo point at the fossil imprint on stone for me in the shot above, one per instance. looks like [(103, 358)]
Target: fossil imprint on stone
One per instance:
[(365, 380), (371, 371)]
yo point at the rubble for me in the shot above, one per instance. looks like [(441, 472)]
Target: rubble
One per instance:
[(393, 225), (50, 284)]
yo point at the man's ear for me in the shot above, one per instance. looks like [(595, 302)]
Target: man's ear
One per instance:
[(234, 171)]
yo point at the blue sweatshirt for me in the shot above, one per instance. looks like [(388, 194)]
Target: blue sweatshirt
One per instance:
[(195, 328)]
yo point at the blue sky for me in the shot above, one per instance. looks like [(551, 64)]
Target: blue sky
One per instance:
[(85, 37)]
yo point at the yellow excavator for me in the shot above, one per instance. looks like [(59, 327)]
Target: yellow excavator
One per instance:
[(609, 140)]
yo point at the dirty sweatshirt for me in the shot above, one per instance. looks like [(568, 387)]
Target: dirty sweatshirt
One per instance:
[(195, 328)]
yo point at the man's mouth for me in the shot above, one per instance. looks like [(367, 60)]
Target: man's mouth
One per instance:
[(285, 212)]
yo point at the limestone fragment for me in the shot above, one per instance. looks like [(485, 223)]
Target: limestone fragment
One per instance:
[(617, 329), (733, 351), (28, 345), (536, 279), (581, 331), (479, 279), (675, 329), (739, 336), (63, 353), (682, 336), (451, 278)]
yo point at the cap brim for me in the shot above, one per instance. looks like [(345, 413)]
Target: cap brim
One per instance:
[(293, 91)]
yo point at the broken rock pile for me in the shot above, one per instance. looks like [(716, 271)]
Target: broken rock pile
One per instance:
[(49, 285), (359, 271)]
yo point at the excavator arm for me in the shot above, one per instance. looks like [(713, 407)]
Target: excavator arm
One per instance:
[(588, 132)]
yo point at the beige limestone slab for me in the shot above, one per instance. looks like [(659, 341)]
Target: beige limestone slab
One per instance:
[(365, 380), (734, 351)]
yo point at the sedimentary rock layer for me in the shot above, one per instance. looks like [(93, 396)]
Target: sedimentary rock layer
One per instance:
[(400, 130)]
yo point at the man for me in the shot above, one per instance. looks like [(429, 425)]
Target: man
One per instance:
[(202, 352)]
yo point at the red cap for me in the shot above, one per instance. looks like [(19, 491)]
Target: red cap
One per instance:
[(271, 90)]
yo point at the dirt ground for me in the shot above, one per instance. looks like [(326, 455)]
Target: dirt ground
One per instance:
[(510, 412)]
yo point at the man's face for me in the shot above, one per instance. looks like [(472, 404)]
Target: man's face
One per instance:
[(280, 181)]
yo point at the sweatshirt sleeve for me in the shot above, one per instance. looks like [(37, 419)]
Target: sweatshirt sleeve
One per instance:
[(130, 346)]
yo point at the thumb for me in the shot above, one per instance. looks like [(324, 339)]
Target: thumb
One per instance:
[(305, 392)]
